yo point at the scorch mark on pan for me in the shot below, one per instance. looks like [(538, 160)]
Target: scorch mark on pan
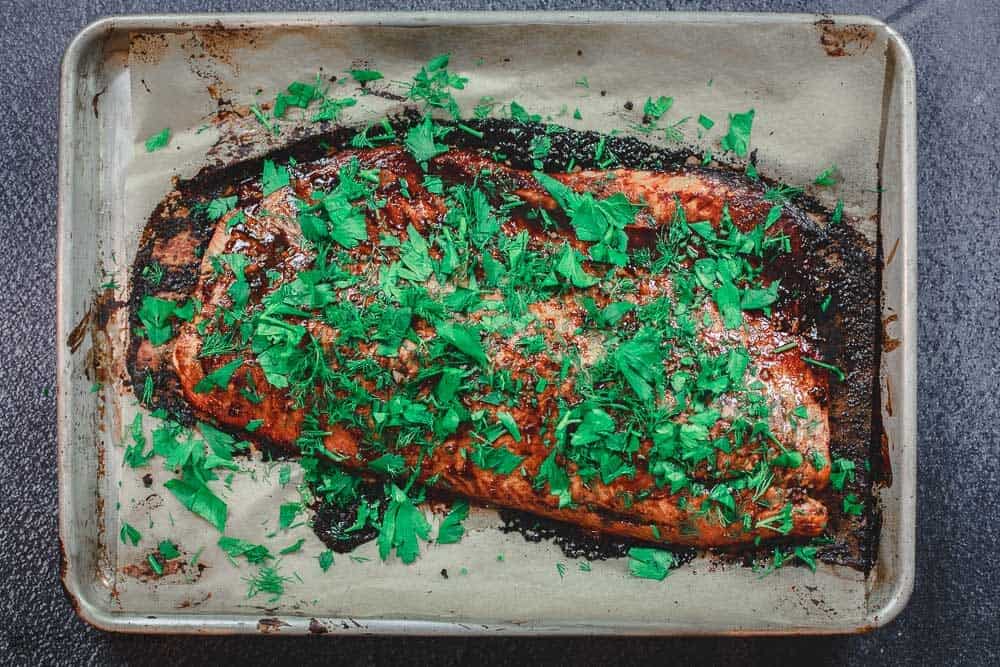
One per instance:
[(844, 40)]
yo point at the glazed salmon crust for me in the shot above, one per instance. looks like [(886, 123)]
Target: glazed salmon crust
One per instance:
[(611, 348)]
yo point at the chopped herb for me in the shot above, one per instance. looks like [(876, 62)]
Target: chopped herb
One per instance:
[(403, 525), (365, 75), (300, 95), (219, 378), (737, 139), (807, 554), (168, 550), (154, 565), (827, 177), (219, 207), (198, 498), (158, 140), (782, 193), (292, 548), (325, 560), (648, 563), (656, 108), (839, 374), (841, 472), (128, 533), (267, 580), (451, 529), (153, 273), (838, 213), (853, 505), (287, 513), (274, 178), (254, 553), (421, 140), (154, 313), (705, 122)]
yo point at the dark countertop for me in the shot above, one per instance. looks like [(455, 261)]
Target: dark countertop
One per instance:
[(954, 614)]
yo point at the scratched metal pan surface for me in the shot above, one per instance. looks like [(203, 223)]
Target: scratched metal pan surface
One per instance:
[(522, 594)]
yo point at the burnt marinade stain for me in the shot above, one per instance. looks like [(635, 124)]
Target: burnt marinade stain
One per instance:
[(829, 260), (331, 522), (573, 541)]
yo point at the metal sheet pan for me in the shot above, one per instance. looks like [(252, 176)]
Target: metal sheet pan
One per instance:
[(97, 133)]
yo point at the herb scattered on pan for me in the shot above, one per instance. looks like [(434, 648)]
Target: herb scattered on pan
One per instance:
[(158, 140), (655, 391)]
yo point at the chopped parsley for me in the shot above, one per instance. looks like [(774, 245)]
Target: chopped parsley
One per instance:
[(158, 140), (648, 563), (403, 526), (128, 533), (451, 529), (737, 139), (827, 177), (365, 75), (235, 548)]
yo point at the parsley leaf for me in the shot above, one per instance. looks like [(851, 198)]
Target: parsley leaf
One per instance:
[(274, 177), (569, 267), (294, 547), (325, 560), (198, 498), (403, 525), (219, 207), (520, 114), (158, 140), (737, 139), (168, 550), (365, 75), (136, 455), (330, 109), (827, 177), (287, 513), (219, 378), (499, 459), (451, 528), (649, 563), (841, 472), (128, 533), (465, 339), (510, 424), (300, 94), (655, 109), (254, 553), (389, 464), (154, 313), (421, 140), (853, 505), (557, 479)]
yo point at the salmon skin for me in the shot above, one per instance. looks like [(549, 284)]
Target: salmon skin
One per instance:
[(611, 349)]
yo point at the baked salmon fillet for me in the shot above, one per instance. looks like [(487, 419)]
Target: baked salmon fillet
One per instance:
[(612, 349)]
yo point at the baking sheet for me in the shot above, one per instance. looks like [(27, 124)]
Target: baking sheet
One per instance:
[(812, 110)]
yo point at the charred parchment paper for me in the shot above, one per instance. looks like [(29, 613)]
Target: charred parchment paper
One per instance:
[(818, 102)]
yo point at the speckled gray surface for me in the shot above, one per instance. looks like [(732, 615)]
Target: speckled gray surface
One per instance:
[(954, 615)]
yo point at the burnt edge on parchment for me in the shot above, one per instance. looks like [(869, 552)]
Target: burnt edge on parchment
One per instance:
[(835, 260)]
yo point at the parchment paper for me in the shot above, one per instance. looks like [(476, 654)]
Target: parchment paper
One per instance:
[(812, 110)]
